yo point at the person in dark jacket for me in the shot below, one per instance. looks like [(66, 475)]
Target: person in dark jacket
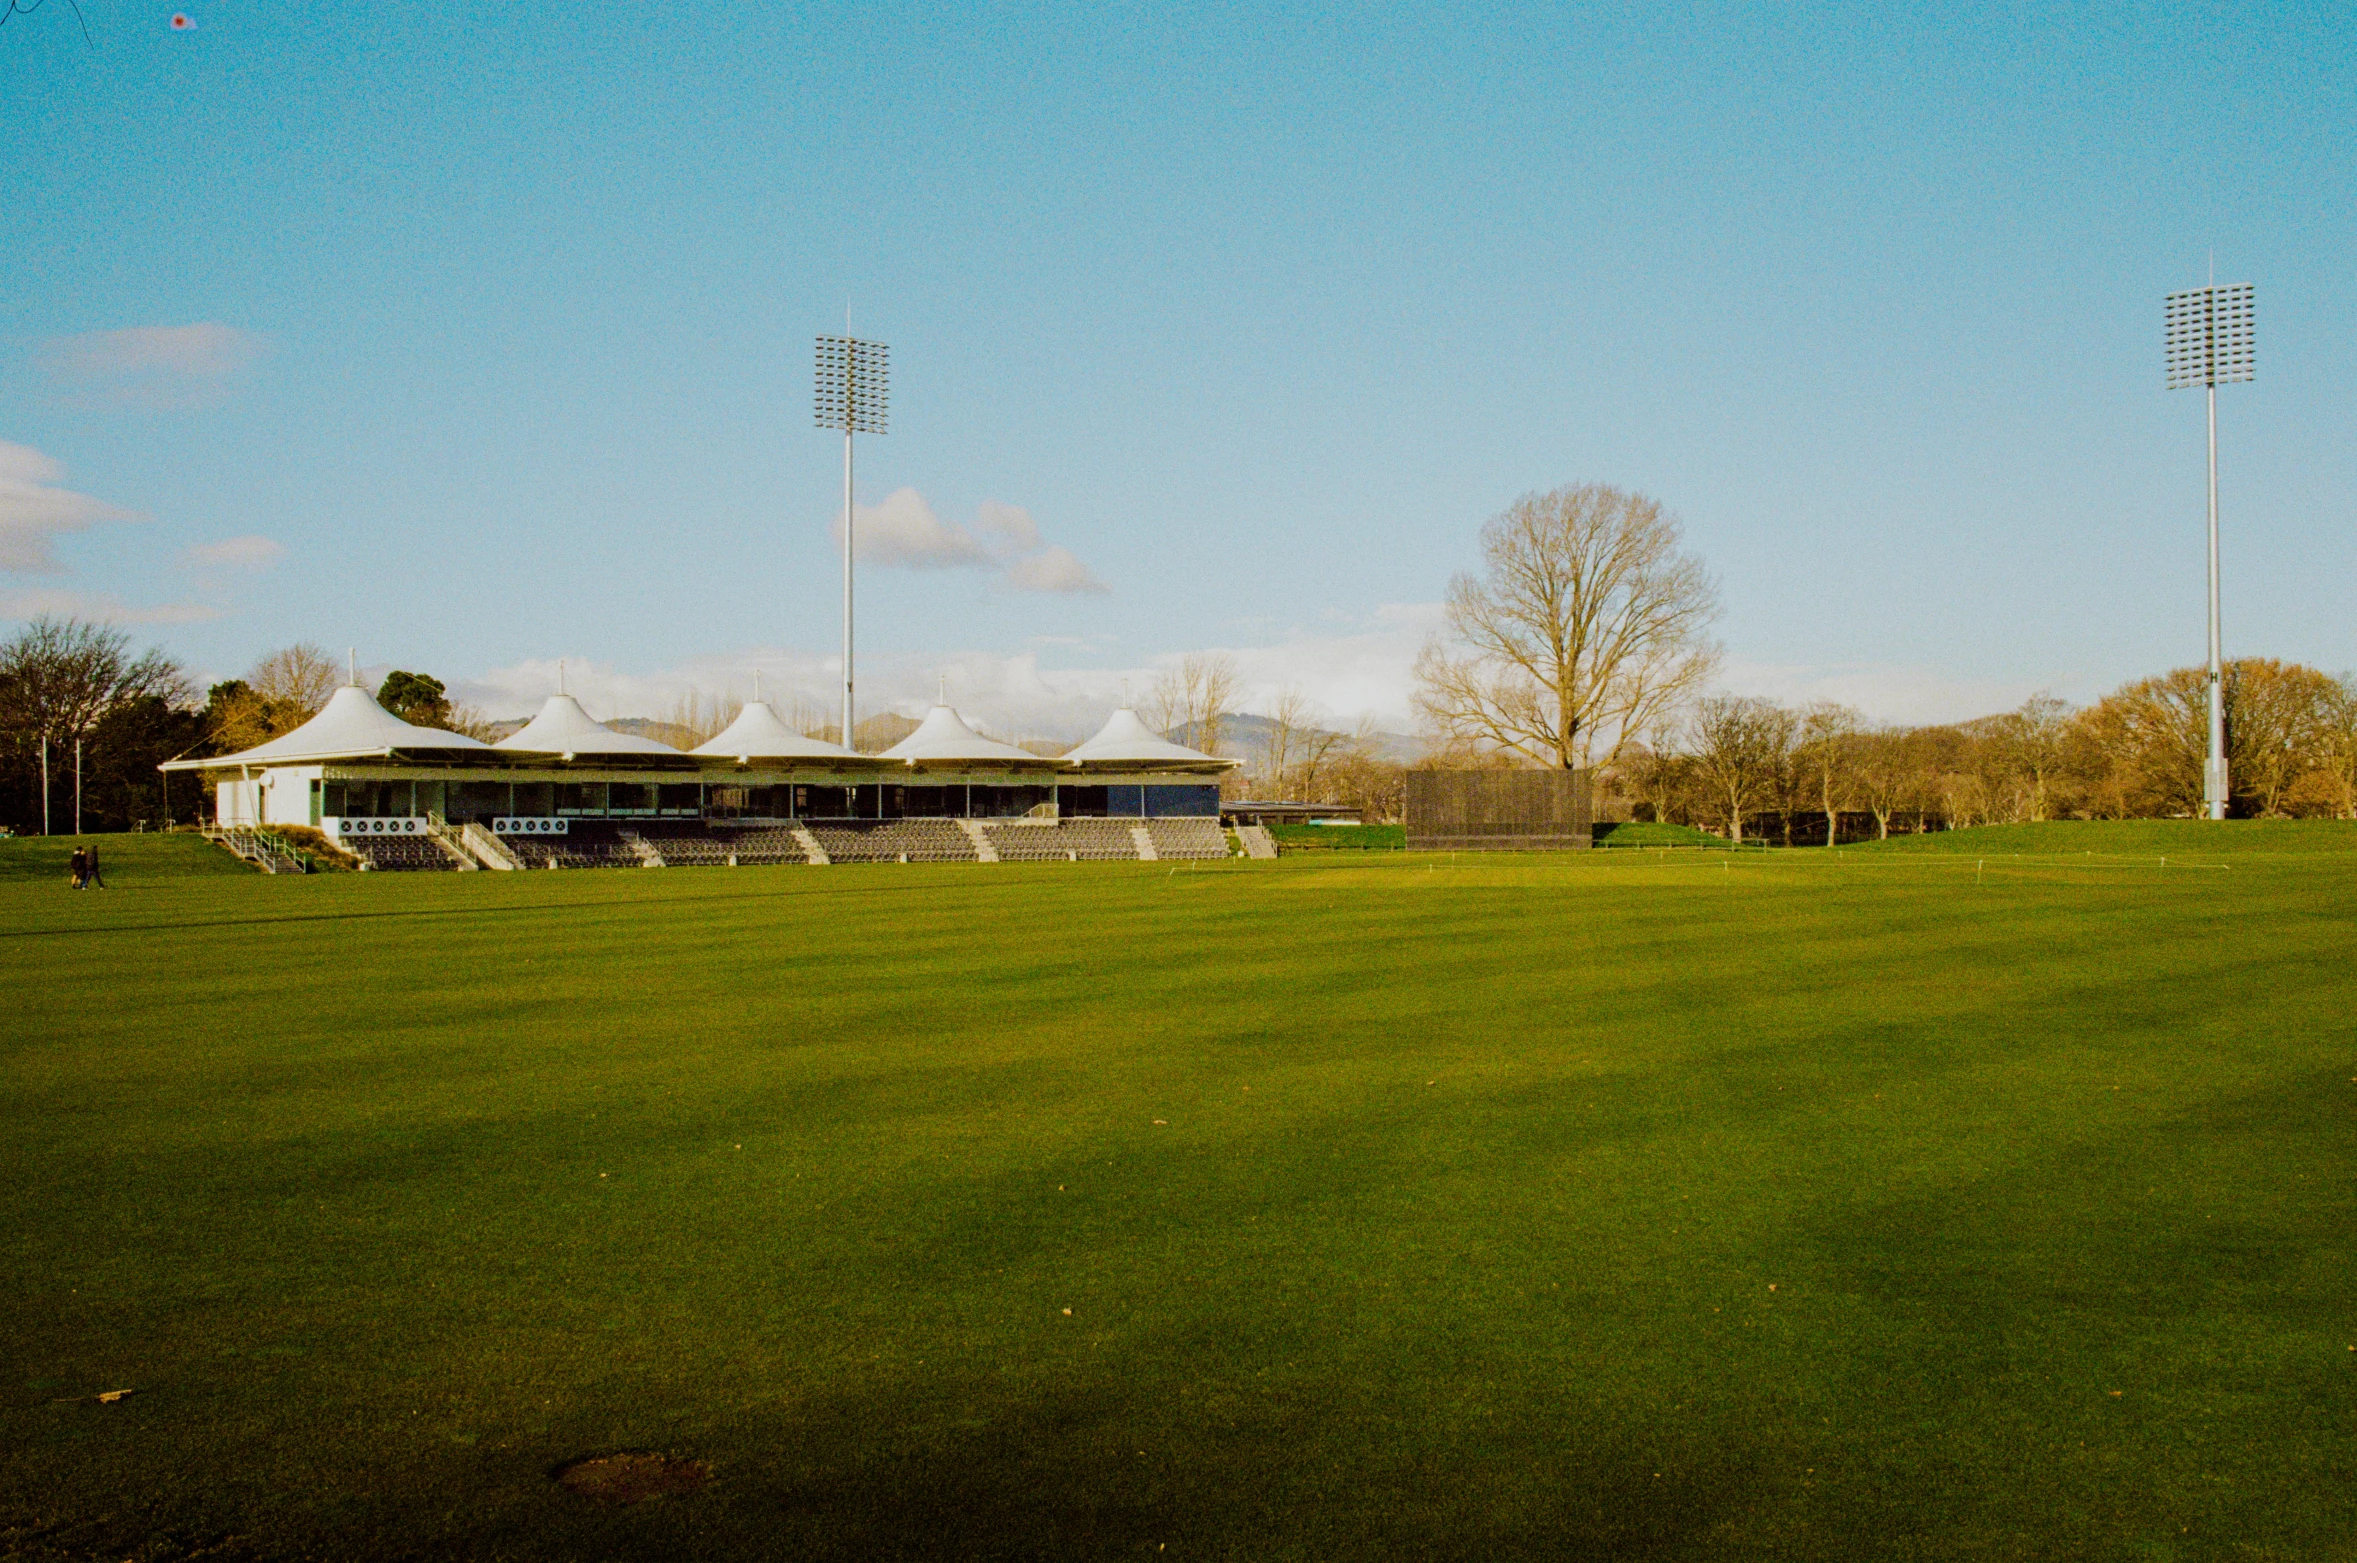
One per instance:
[(91, 876)]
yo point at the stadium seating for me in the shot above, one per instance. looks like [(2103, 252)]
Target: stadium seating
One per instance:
[(588, 844), (715, 843), (1187, 838), (401, 853), (894, 841), (1075, 840), (767, 844)]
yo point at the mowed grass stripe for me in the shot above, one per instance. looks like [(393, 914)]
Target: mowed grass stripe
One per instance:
[(1459, 1227)]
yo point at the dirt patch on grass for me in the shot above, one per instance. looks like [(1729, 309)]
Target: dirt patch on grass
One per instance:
[(632, 1478)]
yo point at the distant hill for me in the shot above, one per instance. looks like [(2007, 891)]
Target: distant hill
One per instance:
[(881, 731)]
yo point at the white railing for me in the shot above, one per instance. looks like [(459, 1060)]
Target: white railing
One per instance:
[(488, 849)]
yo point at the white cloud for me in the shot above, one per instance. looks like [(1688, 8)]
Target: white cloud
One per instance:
[(234, 553), (904, 532), (103, 609), (154, 366), (32, 513), (1053, 569), (1010, 527), (1364, 670)]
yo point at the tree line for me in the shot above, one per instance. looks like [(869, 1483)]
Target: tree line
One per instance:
[(1584, 642), (1742, 765), (85, 720)]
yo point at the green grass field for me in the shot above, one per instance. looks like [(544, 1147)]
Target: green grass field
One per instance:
[(1339, 838), (1906, 1201)]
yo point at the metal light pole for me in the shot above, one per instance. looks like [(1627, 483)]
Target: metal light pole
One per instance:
[(852, 391), (2209, 338), (44, 784)]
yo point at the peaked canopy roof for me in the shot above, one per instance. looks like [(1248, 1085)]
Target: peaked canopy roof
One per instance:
[(350, 726), (563, 728), (944, 738), (1124, 740), (759, 733)]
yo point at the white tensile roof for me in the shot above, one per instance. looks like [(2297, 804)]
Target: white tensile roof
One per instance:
[(943, 736), (1124, 740), (350, 726), (563, 728), (759, 733)]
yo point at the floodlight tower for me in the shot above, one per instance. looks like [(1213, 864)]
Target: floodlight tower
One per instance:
[(853, 383), (2209, 338)]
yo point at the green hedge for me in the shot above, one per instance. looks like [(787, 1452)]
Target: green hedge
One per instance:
[(1340, 838)]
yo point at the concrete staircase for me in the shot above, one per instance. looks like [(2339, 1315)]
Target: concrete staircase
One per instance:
[(488, 849), (983, 850)]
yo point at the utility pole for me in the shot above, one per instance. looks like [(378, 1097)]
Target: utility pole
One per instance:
[(77, 786), (44, 784)]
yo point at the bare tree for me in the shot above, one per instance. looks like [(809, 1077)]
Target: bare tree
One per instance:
[(472, 721), (68, 682), (695, 717), (1738, 744), (60, 678), (1589, 625), (282, 692), (2028, 746), (1889, 772), (1290, 716), (1826, 754), (2336, 771), (302, 675), (2280, 717), (1194, 696)]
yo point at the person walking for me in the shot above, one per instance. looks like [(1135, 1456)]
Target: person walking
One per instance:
[(92, 877), (77, 868)]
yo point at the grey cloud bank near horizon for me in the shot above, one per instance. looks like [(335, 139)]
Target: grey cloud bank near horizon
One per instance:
[(1347, 672)]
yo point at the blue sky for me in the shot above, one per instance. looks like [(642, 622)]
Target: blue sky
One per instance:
[(479, 337)]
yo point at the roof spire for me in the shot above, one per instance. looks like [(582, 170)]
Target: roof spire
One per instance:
[(352, 662), (941, 696), (560, 675), (757, 686)]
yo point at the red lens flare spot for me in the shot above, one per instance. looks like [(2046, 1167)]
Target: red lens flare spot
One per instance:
[(180, 22)]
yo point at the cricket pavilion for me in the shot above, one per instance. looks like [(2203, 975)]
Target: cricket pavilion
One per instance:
[(567, 791)]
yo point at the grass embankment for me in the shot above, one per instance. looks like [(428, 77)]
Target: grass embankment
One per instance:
[(127, 859), (1340, 838), (2140, 838), (1693, 1206), (1652, 833)]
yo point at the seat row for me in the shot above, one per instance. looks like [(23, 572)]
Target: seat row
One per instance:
[(688, 843)]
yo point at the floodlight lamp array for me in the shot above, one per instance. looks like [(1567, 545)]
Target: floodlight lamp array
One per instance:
[(2210, 337), (853, 384)]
